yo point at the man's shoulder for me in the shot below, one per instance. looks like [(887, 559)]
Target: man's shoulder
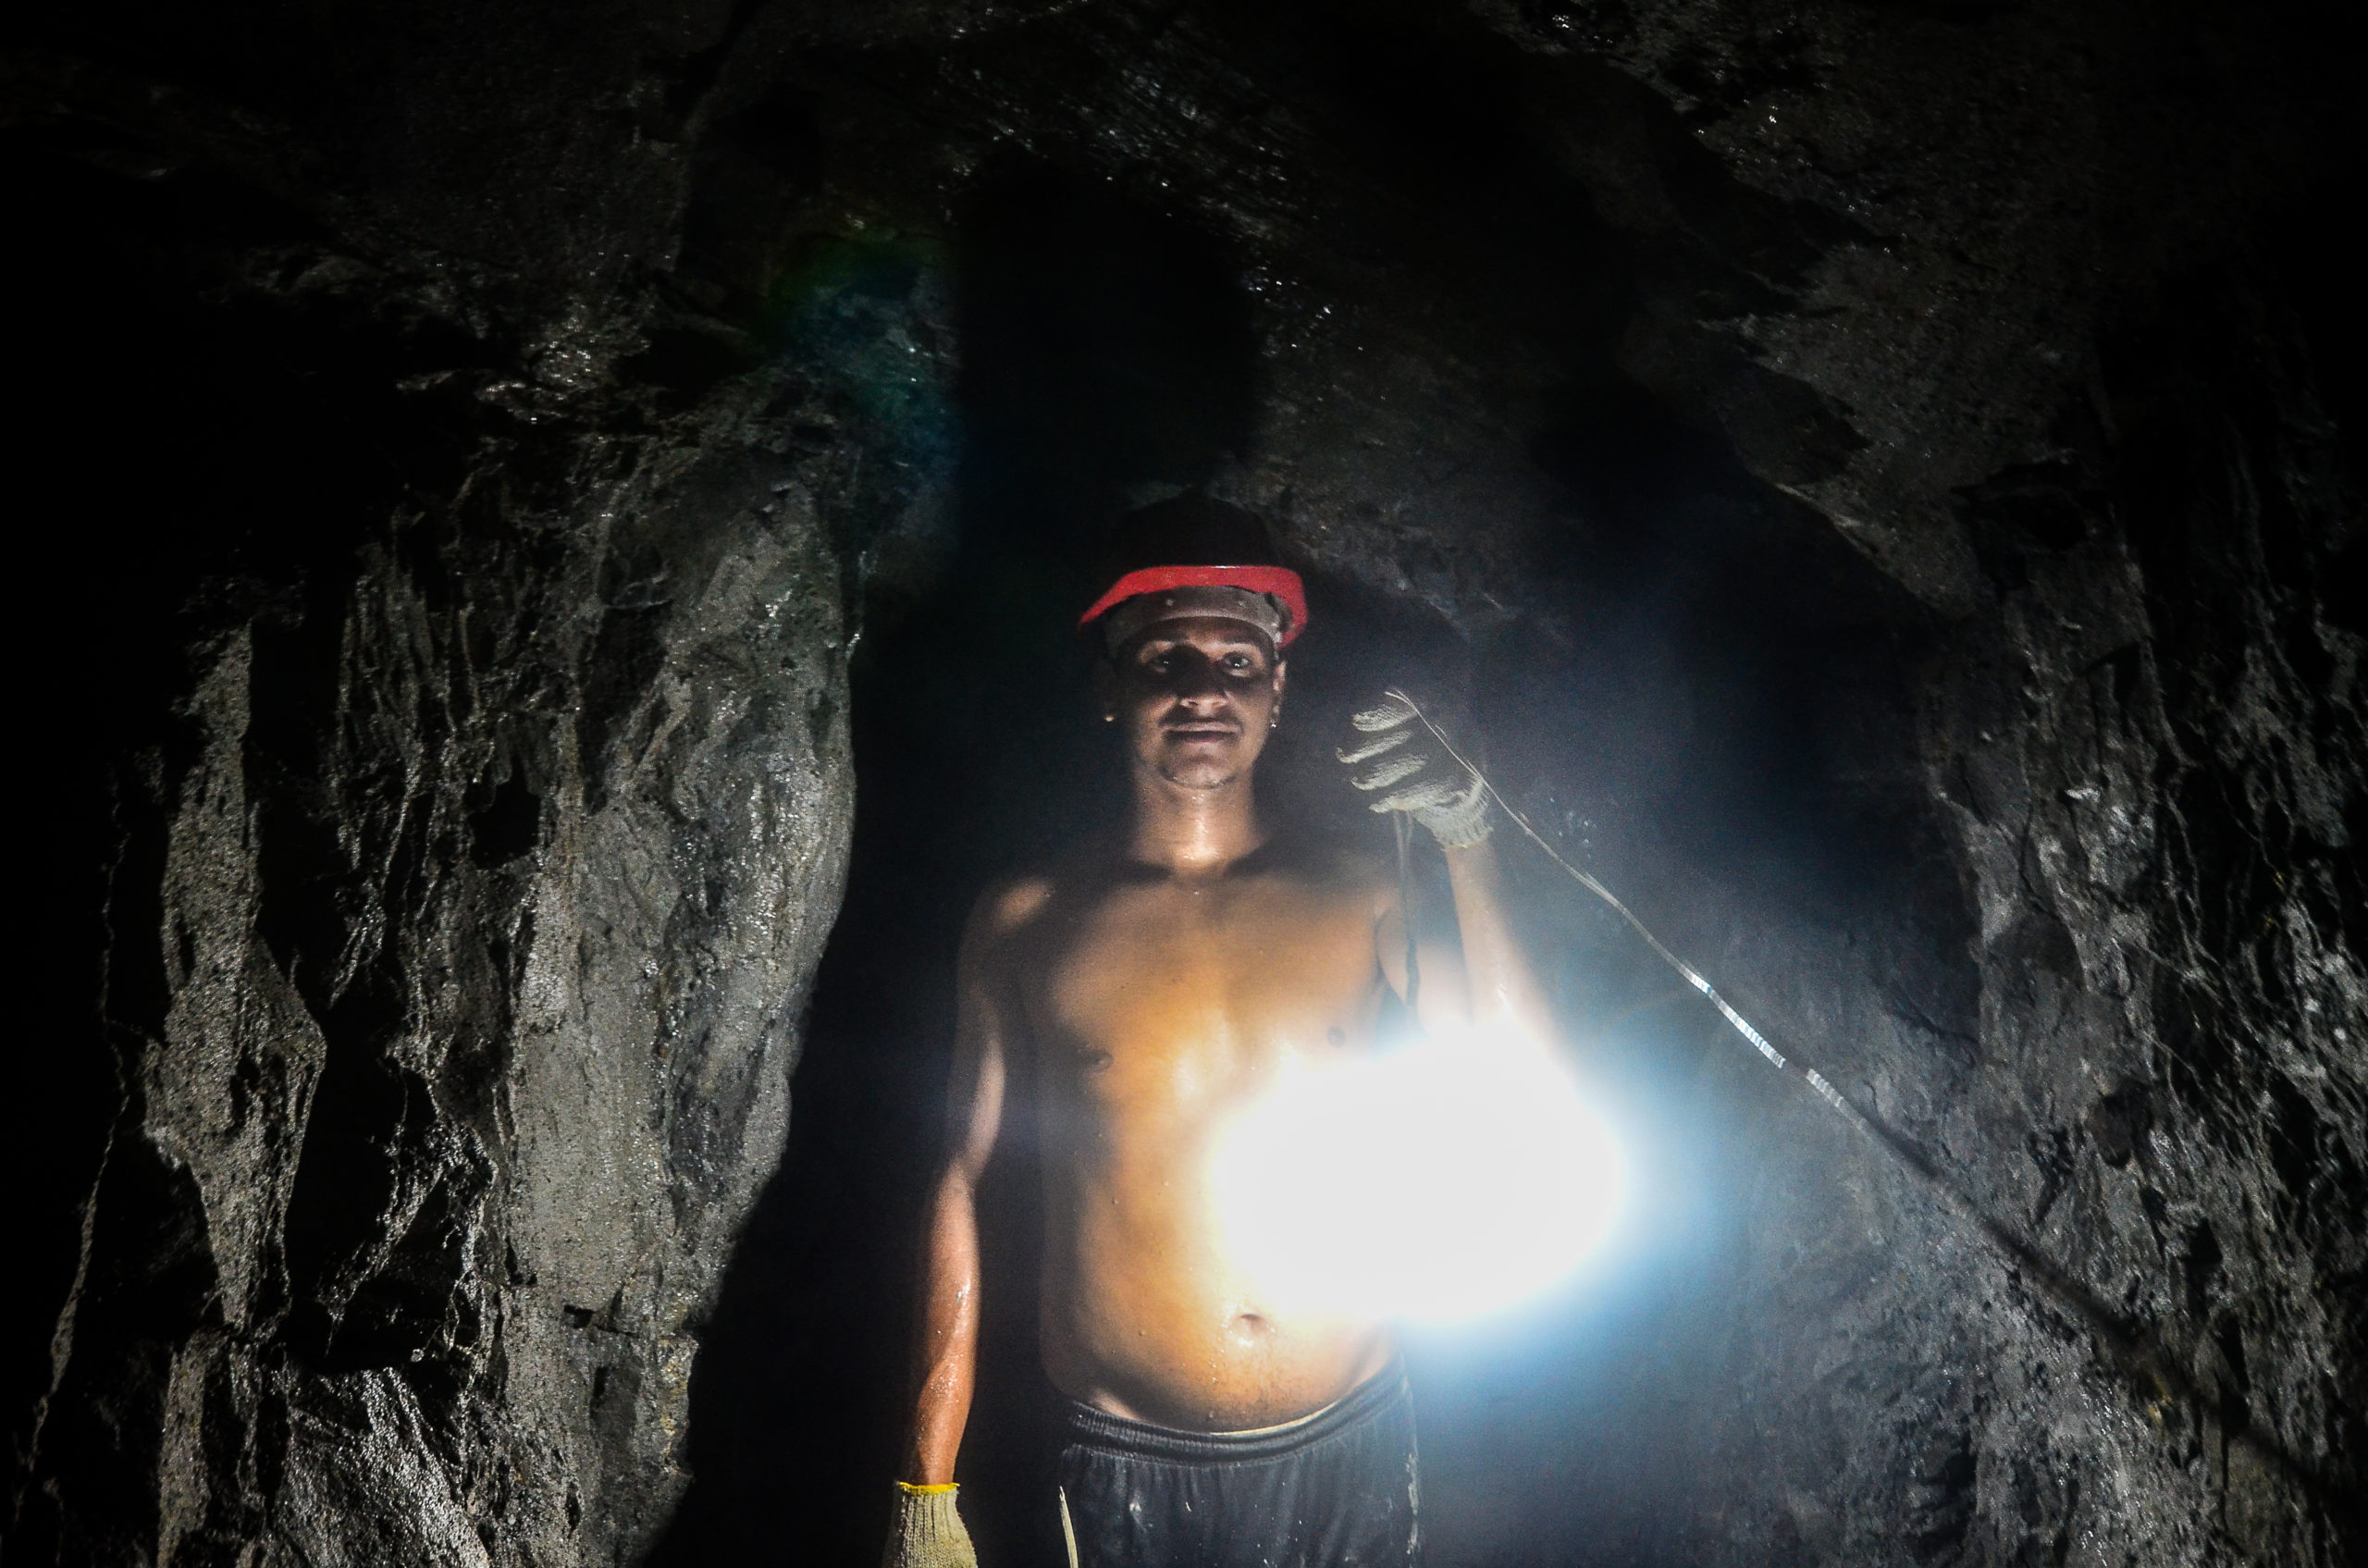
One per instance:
[(1011, 902), (1333, 862), (1330, 865), (1020, 897)]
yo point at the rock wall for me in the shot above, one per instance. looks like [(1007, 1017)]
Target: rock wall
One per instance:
[(454, 775), (1890, 474), (483, 928), (2148, 1094)]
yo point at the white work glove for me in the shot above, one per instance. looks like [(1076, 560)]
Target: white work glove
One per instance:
[(1442, 794), (927, 1533)]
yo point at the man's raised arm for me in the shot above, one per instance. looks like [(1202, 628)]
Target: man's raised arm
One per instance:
[(1499, 981), (1483, 980), (1394, 759), (927, 1533)]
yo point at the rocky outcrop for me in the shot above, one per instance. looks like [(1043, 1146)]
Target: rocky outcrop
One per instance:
[(460, 928), (471, 806)]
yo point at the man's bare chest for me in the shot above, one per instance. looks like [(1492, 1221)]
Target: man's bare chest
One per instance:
[(1177, 985)]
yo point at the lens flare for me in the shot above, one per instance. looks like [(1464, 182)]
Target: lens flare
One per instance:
[(1434, 1183)]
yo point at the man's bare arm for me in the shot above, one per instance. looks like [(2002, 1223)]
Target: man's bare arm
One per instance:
[(1485, 978), (947, 1353), (1501, 985), (1404, 760)]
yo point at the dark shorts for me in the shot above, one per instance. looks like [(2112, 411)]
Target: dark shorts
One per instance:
[(1336, 1490)]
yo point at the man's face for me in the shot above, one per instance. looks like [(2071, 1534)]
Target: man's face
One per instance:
[(1196, 698)]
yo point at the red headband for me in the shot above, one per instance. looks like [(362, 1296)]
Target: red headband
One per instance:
[(1281, 581)]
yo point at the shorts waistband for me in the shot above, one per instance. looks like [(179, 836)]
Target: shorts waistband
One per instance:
[(1082, 1424)]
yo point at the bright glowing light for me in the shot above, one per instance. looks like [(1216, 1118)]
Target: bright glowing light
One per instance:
[(1441, 1181)]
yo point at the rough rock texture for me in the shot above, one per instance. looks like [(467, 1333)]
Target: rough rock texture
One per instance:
[(466, 809), (1889, 472), (2146, 755)]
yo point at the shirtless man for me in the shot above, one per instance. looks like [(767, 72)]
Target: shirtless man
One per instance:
[(1139, 998)]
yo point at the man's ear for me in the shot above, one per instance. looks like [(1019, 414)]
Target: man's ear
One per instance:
[(1282, 674), (1105, 684)]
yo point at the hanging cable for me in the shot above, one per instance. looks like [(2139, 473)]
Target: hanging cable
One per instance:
[(1694, 976)]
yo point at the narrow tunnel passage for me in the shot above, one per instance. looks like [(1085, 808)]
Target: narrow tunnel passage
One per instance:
[(1718, 636)]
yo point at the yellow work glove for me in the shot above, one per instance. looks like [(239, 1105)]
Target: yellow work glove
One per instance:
[(927, 1532)]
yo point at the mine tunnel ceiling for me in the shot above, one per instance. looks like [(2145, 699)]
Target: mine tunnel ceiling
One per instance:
[(1873, 258), (1869, 251)]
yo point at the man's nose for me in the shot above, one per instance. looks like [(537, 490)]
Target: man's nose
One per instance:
[(1197, 681)]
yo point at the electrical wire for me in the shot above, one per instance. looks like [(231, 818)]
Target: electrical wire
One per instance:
[(1693, 975)]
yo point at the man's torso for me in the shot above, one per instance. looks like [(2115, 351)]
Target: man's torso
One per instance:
[(1153, 1011)]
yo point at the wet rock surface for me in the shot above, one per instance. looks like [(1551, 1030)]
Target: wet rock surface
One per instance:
[(1888, 474)]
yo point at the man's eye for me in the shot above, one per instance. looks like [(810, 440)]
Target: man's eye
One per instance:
[(1237, 662)]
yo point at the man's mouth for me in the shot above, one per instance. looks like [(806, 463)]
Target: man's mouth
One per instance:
[(1208, 730)]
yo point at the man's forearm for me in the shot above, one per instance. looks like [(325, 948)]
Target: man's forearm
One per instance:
[(1503, 987), (947, 1352)]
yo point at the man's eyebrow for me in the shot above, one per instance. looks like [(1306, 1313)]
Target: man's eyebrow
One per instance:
[(1248, 639)]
